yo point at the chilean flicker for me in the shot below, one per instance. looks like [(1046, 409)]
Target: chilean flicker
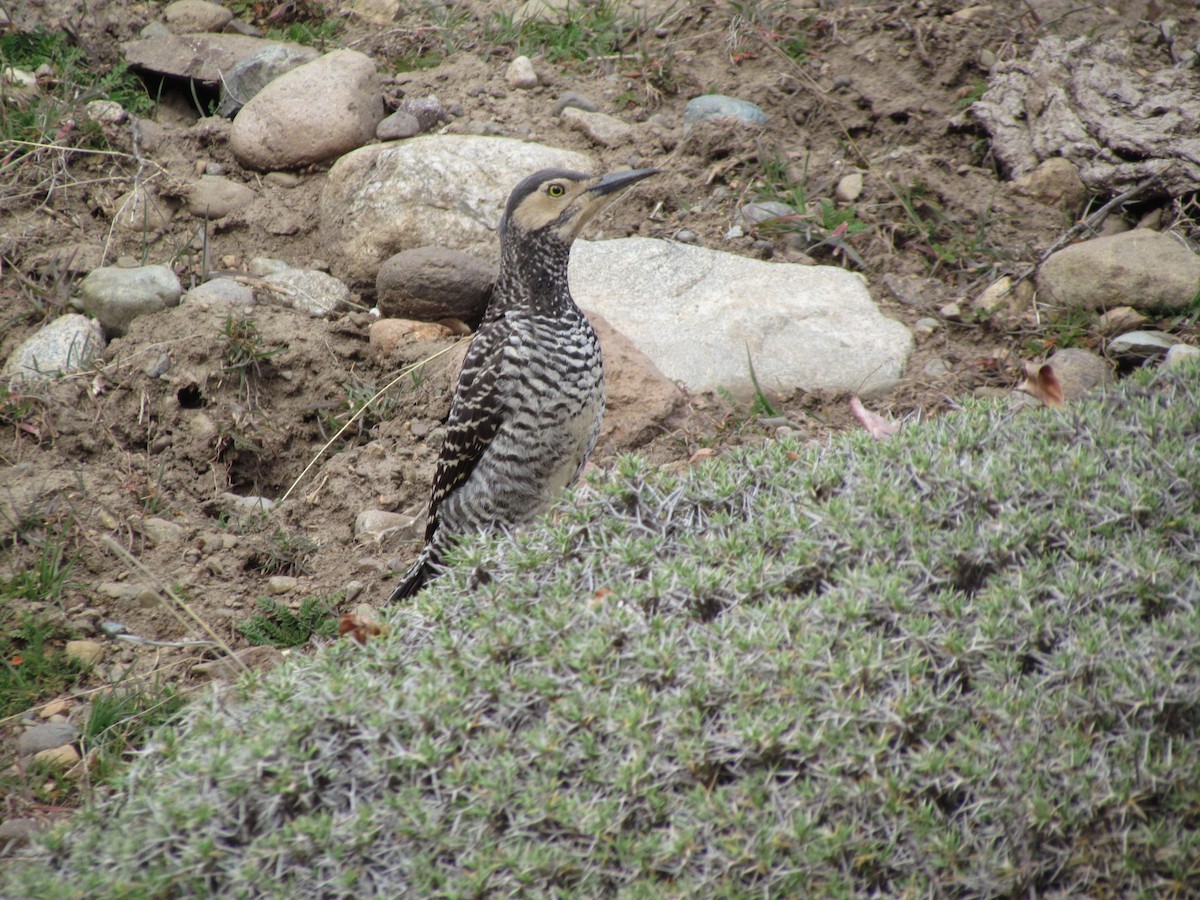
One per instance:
[(530, 398)]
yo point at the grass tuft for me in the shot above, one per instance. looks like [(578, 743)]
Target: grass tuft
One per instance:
[(278, 626)]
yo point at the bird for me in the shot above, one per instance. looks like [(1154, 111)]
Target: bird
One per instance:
[(530, 397)]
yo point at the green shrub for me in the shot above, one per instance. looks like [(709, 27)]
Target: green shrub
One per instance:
[(964, 662)]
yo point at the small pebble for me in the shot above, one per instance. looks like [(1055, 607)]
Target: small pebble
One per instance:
[(520, 74), (849, 188), (282, 584)]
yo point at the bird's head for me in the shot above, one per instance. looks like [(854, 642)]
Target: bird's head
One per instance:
[(556, 203)]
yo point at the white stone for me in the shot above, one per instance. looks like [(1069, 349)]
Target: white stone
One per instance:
[(448, 189), (697, 313), (849, 188), (68, 344), (314, 113), (520, 74), (379, 523), (184, 16)]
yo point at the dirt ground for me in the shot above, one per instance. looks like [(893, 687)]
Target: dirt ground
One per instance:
[(881, 90)]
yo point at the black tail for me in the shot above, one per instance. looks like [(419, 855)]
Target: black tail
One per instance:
[(421, 571)]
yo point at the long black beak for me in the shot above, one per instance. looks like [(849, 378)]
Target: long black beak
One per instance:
[(614, 181)]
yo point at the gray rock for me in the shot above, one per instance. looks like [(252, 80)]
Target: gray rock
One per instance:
[(378, 524), (717, 107), (218, 293), (214, 197), (920, 293), (307, 291), (201, 56), (397, 126), (142, 210), (312, 114), (117, 296), (428, 111), (266, 265), (433, 283), (764, 210), (1080, 371), (1141, 345), (68, 344), (380, 200), (937, 368), (606, 130), (255, 72), (249, 503), (45, 736), (184, 16), (163, 531), (574, 100), (698, 313), (1181, 355), (17, 832), (1140, 268)]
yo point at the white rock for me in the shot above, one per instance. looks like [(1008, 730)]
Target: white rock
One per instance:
[(106, 113), (68, 344), (314, 113), (195, 15), (379, 523), (448, 189), (307, 291), (1140, 268), (117, 296), (1180, 355), (696, 312), (520, 74), (1141, 345), (849, 188), (600, 127)]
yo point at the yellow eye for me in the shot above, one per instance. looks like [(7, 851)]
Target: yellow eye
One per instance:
[(556, 190)]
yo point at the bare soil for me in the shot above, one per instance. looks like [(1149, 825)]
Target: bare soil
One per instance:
[(880, 89)]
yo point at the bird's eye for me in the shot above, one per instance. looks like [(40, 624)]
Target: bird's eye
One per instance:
[(556, 190)]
